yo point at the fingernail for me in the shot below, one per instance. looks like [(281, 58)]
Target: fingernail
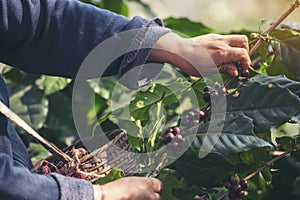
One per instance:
[(233, 72)]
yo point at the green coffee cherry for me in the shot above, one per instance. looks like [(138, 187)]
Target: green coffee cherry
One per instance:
[(254, 35), (235, 178)]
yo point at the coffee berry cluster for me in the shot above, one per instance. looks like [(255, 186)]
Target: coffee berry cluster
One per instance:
[(215, 91), (192, 117), (236, 187), (173, 135)]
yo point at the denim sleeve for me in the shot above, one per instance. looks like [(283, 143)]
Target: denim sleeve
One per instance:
[(53, 37), (17, 182)]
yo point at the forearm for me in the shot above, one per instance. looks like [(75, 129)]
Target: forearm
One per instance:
[(55, 36), (19, 183), (170, 48)]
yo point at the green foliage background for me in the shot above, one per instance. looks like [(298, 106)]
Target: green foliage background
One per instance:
[(270, 122)]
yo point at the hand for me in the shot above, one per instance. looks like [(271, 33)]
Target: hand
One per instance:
[(199, 56), (129, 188)]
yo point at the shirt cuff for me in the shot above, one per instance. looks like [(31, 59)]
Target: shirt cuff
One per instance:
[(73, 188), (133, 73)]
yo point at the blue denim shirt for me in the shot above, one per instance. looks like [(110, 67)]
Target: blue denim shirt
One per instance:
[(53, 37)]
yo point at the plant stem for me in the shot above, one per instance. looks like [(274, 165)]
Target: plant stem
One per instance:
[(259, 41), (50, 147), (274, 25), (223, 195), (267, 164)]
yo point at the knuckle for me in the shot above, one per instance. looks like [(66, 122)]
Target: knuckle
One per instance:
[(215, 36), (244, 38), (244, 53), (148, 182)]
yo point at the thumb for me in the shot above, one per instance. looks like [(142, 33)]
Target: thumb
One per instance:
[(230, 69)]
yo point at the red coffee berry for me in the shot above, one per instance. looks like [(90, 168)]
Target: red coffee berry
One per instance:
[(215, 93), (223, 90), (240, 84), (195, 122), (227, 184), (246, 74), (256, 65), (236, 188), (175, 144), (46, 170), (201, 114), (167, 138), (179, 137), (244, 184), (206, 97), (176, 130), (79, 175), (241, 194), (207, 89)]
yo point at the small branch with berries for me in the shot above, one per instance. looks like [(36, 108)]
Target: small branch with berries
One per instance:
[(195, 116), (237, 187), (259, 41)]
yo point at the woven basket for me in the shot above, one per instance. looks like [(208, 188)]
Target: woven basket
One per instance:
[(96, 164)]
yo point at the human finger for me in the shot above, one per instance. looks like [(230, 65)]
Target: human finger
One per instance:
[(229, 68), (156, 184), (156, 196), (241, 56), (240, 41)]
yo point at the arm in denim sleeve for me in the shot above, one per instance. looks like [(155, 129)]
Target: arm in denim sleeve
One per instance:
[(54, 36), (17, 182)]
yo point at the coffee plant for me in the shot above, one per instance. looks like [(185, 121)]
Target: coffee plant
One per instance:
[(257, 151)]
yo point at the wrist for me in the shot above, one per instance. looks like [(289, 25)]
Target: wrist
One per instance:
[(98, 192), (166, 48), (171, 48)]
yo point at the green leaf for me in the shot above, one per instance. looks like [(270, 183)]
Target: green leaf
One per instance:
[(285, 142), (60, 113), (237, 136), (284, 34), (111, 176), (117, 6), (54, 84), (168, 93), (224, 158), (292, 86), (296, 186), (145, 7), (208, 171), (266, 173), (296, 156), (288, 52), (278, 68), (37, 152), (256, 156), (186, 27), (157, 120), (268, 101), (170, 182), (30, 104), (20, 78)]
